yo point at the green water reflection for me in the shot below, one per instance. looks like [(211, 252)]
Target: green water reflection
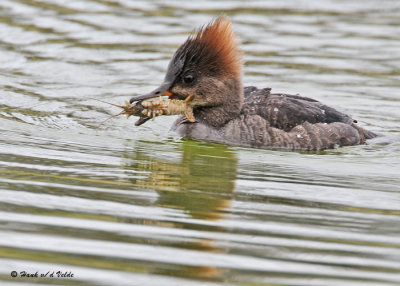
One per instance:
[(201, 182)]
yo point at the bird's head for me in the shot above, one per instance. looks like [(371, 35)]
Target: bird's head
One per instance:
[(208, 66)]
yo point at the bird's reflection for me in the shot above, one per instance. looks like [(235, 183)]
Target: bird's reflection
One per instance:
[(195, 177), (201, 181)]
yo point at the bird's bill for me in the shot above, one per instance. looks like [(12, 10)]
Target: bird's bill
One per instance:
[(162, 90)]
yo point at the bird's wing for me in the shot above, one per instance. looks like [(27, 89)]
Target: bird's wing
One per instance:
[(285, 111)]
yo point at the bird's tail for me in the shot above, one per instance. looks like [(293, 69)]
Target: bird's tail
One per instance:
[(364, 134)]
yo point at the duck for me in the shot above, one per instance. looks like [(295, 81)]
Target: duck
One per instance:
[(207, 68)]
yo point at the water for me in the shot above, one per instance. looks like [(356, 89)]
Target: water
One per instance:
[(126, 205)]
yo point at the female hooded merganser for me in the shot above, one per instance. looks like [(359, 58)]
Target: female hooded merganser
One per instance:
[(207, 68)]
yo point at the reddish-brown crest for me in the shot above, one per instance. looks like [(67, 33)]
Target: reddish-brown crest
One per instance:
[(219, 42), (212, 51)]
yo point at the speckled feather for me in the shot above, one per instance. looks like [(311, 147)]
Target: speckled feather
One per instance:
[(281, 121)]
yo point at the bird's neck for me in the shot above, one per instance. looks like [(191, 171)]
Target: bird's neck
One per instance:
[(227, 108)]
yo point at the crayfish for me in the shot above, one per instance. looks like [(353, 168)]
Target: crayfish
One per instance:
[(150, 109)]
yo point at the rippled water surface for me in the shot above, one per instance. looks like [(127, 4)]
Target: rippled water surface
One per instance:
[(126, 205)]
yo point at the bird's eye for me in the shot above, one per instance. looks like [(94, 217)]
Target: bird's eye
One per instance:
[(188, 78)]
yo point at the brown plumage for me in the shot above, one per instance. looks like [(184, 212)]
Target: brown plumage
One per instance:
[(208, 66), (213, 49)]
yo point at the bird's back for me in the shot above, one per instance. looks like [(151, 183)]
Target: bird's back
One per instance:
[(286, 111)]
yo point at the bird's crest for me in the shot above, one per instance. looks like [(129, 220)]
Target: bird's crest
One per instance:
[(213, 48)]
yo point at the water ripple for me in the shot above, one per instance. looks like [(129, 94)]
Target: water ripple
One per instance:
[(125, 205)]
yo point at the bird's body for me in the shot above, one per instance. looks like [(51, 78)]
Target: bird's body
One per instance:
[(207, 68), (279, 121)]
